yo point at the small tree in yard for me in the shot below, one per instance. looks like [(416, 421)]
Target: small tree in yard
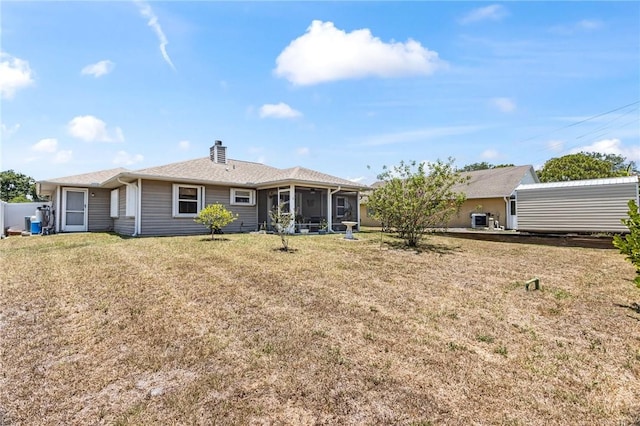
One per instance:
[(416, 197), (215, 216), (630, 243), (282, 221)]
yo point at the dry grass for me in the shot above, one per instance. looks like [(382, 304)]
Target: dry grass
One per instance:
[(96, 329)]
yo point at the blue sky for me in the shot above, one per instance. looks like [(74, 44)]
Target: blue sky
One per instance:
[(343, 88)]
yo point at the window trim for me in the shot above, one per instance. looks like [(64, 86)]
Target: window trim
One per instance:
[(115, 203), (176, 201), (233, 195)]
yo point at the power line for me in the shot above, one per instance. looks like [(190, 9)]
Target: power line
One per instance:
[(579, 122)]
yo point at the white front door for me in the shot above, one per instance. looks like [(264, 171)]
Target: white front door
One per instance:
[(74, 210), (512, 217)]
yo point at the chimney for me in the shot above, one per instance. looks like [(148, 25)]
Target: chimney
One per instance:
[(218, 153)]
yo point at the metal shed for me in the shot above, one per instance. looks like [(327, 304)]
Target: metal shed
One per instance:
[(594, 205)]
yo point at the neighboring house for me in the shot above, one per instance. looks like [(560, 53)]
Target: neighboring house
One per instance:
[(490, 194), (164, 200)]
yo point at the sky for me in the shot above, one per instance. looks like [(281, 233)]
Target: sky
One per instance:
[(344, 88)]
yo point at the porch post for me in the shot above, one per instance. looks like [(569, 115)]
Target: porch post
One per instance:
[(329, 208), (292, 208), (358, 209)]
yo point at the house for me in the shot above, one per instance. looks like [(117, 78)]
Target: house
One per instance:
[(587, 206), (490, 194), (164, 200)]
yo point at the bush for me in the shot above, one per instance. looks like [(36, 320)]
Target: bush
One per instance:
[(215, 216), (629, 244)]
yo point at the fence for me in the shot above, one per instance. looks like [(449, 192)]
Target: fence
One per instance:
[(12, 215)]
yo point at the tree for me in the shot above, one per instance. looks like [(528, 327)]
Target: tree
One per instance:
[(629, 245), (585, 165), (215, 217), (483, 166), (282, 221), (17, 187), (415, 197)]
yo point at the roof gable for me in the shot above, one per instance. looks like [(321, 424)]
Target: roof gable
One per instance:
[(494, 183)]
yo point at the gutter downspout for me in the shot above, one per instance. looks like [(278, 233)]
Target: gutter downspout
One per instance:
[(135, 220), (508, 213), (330, 208), (58, 214)]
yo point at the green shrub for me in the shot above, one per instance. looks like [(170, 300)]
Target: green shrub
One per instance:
[(629, 244)]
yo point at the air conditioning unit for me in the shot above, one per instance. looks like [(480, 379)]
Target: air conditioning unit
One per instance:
[(479, 220)]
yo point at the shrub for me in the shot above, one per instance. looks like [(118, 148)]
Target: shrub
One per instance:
[(629, 244), (215, 217)]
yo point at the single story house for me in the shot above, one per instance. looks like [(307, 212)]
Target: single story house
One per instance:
[(490, 194), (164, 200)]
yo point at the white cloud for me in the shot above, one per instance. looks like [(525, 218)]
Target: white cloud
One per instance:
[(126, 159), (503, 104), (489, 154), (63, 156), (303, 150), (91, 129), (184, 145), (280, 110), (325, 53), (494, 12), (584, 25), (8, 131), (555, 145), (418, 135), (99, 68), (611, 146), (147, 12), (46, 145), (15, 74)]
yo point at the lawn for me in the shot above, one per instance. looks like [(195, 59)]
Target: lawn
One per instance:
[(98, 329)]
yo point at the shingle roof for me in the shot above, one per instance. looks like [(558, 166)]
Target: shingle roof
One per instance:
[(203, 170), (492, 183), (92, 178)]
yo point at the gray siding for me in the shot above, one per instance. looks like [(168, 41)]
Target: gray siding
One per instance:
[(589, 208), (122, 225), (99, 218), (157, 211)]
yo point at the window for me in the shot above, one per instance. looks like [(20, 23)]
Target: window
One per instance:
[(512, 207), (131, 201), (244, 197), (341, 206), (114, 203), (187, 200)]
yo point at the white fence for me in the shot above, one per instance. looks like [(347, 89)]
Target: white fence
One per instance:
[(12, 215)]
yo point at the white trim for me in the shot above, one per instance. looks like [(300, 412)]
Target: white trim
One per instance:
[(233, 195), (74, 228), (58, 208), (138, 219), (175, 200)]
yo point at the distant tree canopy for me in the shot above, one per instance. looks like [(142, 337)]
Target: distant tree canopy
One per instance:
[(17, 187), (483, 166), (586, 165), (416, 197)]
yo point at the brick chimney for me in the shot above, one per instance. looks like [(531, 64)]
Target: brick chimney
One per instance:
[(218, 153)]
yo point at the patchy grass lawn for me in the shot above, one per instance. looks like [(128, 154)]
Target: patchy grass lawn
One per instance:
[(97, 329)]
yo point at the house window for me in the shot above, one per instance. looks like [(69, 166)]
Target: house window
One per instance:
[(341, 206), (114, 203), (187, 200), (512, 207), (244, 197)]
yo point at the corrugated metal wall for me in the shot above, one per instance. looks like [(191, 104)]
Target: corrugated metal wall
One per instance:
[(588, 208)]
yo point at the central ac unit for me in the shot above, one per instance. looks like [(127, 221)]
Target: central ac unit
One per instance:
[(479, 220)]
